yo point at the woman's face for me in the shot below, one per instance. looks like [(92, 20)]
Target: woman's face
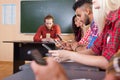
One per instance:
[(96, 4), (77, 21)]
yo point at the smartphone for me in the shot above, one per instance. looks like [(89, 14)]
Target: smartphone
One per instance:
[(59, 37), (36, 55), (48, 48)]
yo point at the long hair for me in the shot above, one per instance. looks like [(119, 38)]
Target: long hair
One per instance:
[(101, 13), (77, 30)]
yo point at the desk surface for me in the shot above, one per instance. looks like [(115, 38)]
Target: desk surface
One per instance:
[(17, 41), (21, 49), (24, 41), (72, 73)]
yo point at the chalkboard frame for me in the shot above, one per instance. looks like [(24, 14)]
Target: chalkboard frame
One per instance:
[(29, 26)]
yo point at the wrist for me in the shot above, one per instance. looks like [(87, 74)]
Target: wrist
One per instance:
[(72, 55), (76, 48)]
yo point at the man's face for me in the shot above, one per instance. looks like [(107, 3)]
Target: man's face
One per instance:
[(84, 18), (49, 23)]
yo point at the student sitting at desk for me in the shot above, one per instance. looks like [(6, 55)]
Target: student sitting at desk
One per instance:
[(48, 31), (84, 27)]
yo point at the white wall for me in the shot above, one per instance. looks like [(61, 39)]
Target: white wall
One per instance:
[(12, 33)]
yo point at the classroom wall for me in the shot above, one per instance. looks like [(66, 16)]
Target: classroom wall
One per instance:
[(12, 33)]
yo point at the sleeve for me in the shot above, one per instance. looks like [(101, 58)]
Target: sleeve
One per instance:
[(114, 63), (37, 35), (85, 38), (97, 45), (114, 42), (58, 31)]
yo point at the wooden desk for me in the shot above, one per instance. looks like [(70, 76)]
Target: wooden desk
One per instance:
[(22, 47), (72, 69)]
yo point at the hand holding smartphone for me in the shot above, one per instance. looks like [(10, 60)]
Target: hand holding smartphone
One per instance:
[(37, 57)]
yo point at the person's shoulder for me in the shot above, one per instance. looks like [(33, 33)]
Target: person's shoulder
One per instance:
[(56, 25)]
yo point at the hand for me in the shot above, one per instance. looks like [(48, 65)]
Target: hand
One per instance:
[(61, 54), (48, 40), (63, 45), (80, 48), (68, 46), (44, 40), (52, 71), (74, 45), (59, 44), (112, 76)]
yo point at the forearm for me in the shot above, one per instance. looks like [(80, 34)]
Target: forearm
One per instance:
[(37, 39), (97, 61), (87, 51)]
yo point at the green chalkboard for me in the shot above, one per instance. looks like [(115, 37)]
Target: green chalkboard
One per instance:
[(33, 13)]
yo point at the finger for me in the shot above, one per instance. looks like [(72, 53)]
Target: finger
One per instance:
[(57, 59), (52, 51), (55, 54), (34, 67)]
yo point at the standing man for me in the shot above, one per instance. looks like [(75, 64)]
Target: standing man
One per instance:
[(48, 31)]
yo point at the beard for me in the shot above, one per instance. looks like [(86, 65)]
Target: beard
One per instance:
[(87, 20)]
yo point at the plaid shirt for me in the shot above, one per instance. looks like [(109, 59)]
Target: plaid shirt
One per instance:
[(114, 64), (93, 35), (85, 39), (94, 29), (108, 43)]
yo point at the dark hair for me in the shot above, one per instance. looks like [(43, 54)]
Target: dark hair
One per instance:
[(80, 3), (49, 17), (77, 30)]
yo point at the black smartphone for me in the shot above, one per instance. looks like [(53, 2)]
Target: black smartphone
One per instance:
[(35, 54), (59, 37)]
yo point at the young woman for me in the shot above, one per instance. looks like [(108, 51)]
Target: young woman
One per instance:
[(76, 26)]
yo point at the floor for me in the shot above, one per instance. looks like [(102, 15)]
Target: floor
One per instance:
[(6, 69)]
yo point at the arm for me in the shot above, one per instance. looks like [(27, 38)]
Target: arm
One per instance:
[(58, 31), (91, 60), (111, 72), (38, 35), (49, 72), (83, 58)]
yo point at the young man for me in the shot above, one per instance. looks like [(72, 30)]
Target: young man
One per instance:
[(48, 31), (83, 11)]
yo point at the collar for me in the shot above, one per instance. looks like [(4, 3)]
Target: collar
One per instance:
[(113, 16), (49, 29)]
